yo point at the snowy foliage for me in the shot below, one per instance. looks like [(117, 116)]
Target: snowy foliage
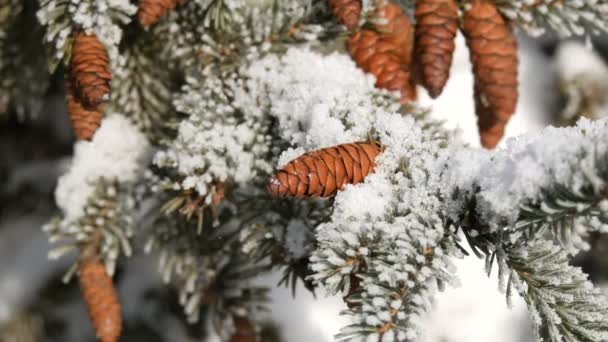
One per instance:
[(102, 17), (529, 167), (251, 103), (142, 91), (387, 228), (96, 193), (219, 141), (570, 17), (561, 300)]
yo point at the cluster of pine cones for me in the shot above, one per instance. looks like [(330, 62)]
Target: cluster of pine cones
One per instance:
[(401, 54), (87, 84)]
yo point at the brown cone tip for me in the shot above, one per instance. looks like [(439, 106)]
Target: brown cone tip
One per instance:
[(436, 27), (493, 50), (245, 331), (100, 299), (85, 122), (347, 12), (90, 70), (150, 11), (321, 173)]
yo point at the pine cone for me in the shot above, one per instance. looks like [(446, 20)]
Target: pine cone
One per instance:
[(436, 26), (150, 11), (346, 11), (396, 29), (84, 121), (493, 50), (90, 70), (378, 57), (245, 331), (100, 299), (323, 172)]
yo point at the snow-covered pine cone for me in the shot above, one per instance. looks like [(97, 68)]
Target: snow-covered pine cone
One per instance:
[(150, 11), (321, 173), (84, 121), (436, 27), (90, 70), (493, 50), (100, 299), (346, 11)]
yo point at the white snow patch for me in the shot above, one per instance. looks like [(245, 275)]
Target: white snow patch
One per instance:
[(117, 152)]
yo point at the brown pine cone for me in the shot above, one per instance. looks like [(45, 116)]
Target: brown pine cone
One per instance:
[(90, 70), (323, 172), (396, 29), (100, 299), (346, 11), (377, 56), (493, 50), (150, 11), (84, 121), (245, 331), (436, 26)]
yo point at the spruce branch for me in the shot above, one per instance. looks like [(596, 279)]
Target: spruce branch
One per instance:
[(564, 305)]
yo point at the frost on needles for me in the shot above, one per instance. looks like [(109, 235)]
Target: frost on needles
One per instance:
[(256, 92)]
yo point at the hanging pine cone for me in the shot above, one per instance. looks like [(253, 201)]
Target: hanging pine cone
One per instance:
[(377, 56), (436, 26), (396, 29), (150, 11), (324, 172), (245, 331), (84, 121), (346, 11), (90, 70), (493, 50), (100, 299)]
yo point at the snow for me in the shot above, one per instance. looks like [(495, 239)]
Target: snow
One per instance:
[(219, 141), (118, 151), (530, 163)]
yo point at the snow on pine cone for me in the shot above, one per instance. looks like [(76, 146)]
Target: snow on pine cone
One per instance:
[(377, 56), (346, 11), (100, 299), (90, 70), (244, 331), (493, 51), (436, 27), (85, 122), (150, 11), (321, 173)]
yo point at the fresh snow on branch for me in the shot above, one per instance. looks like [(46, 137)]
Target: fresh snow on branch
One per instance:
[(502, 181), (117, 152)]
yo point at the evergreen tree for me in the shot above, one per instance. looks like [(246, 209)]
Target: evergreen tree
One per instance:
[(233, 138)]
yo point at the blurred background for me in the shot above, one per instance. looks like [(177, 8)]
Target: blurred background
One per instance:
[(560, 82)]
